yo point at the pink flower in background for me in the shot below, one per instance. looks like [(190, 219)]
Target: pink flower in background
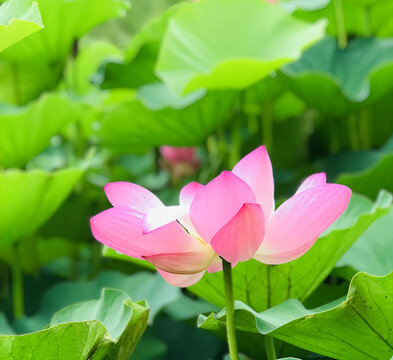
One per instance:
[(175, 154), (232, 217), (181, 161)]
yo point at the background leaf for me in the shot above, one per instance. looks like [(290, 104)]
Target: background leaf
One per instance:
[(18, 19), (200, 52), (27, 131), (30, 198)]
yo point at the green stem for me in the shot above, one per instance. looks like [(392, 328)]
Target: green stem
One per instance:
[(267, 126), (353, 133), (230, 310), (270, 349), (367, 22), (341, 31), (364, 128), (17, 285)]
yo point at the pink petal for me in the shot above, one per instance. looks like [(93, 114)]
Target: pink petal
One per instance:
[(125, 194), (299, 221), (188, 193), (256, 170), (122, 230), (181, 280), (183, 263), (240, 238), (313, 180), (216, 265), (161, 216), (217, 202)]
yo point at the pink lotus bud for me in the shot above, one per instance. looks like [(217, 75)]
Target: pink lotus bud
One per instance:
[(181, 161)]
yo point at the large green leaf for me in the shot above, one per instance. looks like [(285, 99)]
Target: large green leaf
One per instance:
[(18, 19), (372, 253), (132, 125), (332, 79), (36, 63), (358, 328), (108, 328), (26, 131), (251, 39), (29, 198), (262, 286)]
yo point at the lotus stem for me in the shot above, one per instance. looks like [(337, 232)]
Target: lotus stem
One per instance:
[(269, 347), (17, 285), (341, 31), (230, 311)]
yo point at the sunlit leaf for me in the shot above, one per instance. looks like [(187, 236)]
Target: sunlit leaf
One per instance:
[(37, 62), (262, 286), (18, 19), (200, 52), (358, 328)]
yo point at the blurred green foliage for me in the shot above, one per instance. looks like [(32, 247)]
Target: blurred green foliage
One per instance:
[(91, 96)]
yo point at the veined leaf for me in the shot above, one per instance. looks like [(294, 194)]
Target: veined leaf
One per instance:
[(29, 198), (18, 19), (262, 286), (358, 328), (200, 52)]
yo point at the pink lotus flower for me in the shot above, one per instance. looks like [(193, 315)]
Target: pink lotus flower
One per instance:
[(232, 217)]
